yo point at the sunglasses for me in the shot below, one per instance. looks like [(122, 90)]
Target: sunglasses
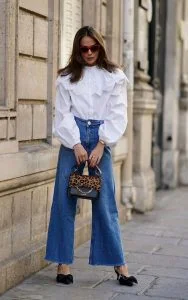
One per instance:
[(93, 48)]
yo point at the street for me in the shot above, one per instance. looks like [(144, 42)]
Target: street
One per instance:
[(156, 246)]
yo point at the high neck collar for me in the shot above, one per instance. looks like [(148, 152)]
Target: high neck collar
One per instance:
[(90, 67)]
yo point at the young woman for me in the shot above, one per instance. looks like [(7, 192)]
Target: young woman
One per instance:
[(90, 117)]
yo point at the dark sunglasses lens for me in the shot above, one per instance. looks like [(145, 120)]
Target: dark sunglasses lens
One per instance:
[(84, 49), (93, 48)]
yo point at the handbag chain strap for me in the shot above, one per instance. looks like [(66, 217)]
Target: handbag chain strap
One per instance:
[(97, 170), (84, 193)]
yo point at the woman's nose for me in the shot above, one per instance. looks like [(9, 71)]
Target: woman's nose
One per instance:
[(89, 51)]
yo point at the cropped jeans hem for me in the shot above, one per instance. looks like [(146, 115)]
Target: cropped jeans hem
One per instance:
[(107, 264), (54, 260)]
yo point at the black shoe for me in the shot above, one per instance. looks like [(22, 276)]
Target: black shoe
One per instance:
[(66, 279), (125, 280)]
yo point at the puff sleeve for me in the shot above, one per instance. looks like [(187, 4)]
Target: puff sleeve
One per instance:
[(116, 121), (65, 127)]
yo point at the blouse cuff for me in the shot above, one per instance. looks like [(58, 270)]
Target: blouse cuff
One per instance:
[(75, 143)]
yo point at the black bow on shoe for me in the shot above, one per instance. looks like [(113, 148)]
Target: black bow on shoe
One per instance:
[(125, 280), (66, 279)]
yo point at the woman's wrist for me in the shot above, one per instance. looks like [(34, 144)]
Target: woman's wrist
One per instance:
[(101, 145), (76, 145), (102, 142)]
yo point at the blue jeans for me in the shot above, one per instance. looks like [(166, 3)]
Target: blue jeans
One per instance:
[(106, 246)]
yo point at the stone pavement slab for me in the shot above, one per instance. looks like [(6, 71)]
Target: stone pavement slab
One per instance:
[(164, 272), (170, 288), (181, 251), (159, 260), (156, 250), (134, 297), (145, 239), (183, 242), (145, 282), (58, 292)]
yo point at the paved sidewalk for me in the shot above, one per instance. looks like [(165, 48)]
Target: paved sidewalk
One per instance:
[(156, 245)]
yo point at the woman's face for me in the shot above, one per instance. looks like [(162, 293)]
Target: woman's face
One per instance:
[(89, 50)]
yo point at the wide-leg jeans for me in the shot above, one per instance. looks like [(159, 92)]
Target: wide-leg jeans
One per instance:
[(106, 246)]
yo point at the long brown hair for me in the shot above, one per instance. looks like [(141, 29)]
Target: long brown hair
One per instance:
[(76, 63)]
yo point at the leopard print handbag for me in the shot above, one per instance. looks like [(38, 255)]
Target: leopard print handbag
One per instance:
[(85, 186)]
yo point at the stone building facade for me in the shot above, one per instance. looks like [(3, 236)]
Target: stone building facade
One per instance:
[(149, 39)]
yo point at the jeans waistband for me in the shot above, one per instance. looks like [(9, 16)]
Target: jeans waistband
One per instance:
[(89, 122)]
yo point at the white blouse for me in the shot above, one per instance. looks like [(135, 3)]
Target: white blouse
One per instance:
[(98, 95)]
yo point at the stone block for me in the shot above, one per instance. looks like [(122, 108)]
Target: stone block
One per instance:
[(12, 128), (117, 176), (38, 217), (3, 128), (8, 21), (183, 169), (40, 37), (57, 9), (18, 270), (25, 33), (103, 19), (27, 162), (82, 233), (21, 207), (38, 6), (144, 183), (121, 149), (84, 209), (39, 122), (49, 202), (183, 132), (5, 244), (35, 87), (2, 49), (37, 259), (5, 212), (21, 237), (21, 218), (24, 122), (170, 161), (142, 147), (54, 58), (8, 147), (3, 275)]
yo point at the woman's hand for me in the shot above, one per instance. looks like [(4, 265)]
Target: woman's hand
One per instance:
[(80, 153), (96, 154)]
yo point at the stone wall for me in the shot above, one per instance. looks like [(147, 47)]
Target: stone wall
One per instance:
[(27, 158)]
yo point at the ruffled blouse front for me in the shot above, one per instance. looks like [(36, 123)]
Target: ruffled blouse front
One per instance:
[(98, 95)]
